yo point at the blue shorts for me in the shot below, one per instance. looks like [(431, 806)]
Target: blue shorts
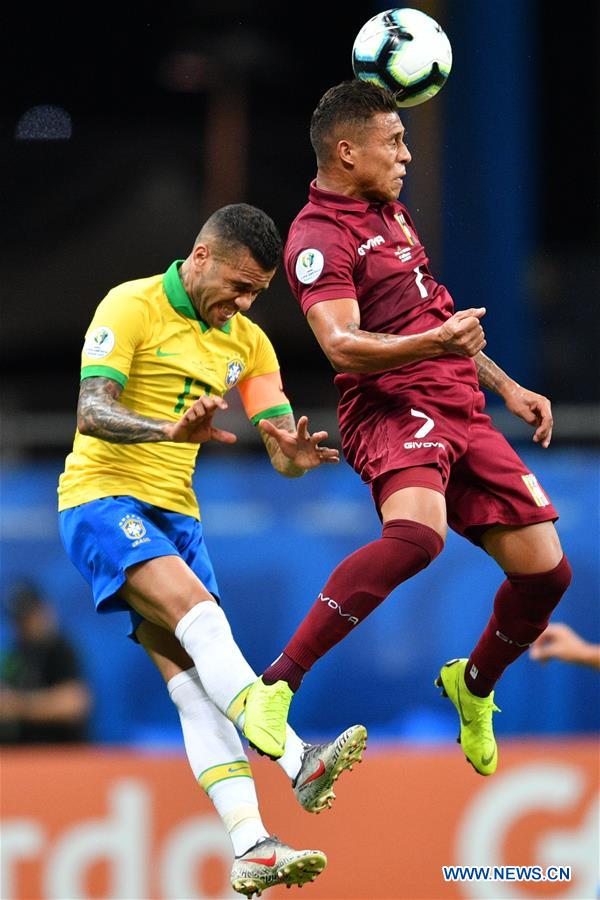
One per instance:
[(103, 538)]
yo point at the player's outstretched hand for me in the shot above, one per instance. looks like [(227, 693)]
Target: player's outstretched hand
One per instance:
[(535, 410), (196, 427), (301, 447), (462, 333), (559, 641)]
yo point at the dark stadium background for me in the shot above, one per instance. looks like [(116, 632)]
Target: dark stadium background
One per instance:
[(513, 133), (176, 109)]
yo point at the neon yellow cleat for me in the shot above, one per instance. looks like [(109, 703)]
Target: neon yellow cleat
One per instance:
[(265, 716), (475, 713)]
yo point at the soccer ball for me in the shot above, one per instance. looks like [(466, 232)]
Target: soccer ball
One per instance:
[(406, 51)]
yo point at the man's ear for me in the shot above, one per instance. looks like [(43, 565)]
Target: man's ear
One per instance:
[(346, 151), (200, 255)]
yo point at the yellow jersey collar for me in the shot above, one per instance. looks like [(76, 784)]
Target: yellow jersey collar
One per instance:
[(179, 299)]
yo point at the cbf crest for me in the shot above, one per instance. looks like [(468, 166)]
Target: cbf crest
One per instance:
[(235, 367), (133, 527)]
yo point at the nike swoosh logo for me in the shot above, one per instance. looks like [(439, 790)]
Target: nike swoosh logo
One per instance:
[(160, 352), (239, 769), (316, 774), (463, 719), (270, 861), (486, 760)]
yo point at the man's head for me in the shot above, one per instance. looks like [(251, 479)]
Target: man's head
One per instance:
[(233, 259), (32, 617), (358, 140)]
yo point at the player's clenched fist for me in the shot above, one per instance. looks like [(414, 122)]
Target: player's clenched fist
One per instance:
[(195, 427), (462, 333)]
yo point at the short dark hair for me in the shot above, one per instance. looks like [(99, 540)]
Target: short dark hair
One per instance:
[(350, 103), (241, 225)]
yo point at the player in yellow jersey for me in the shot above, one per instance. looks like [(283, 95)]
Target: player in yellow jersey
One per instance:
[(159, 356)]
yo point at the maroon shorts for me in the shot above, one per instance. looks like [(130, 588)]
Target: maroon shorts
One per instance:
[(484, 480)]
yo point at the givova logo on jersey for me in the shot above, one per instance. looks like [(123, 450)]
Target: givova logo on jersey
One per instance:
[(422, 432)]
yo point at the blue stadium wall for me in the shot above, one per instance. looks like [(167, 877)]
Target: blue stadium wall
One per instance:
[(273, 543)]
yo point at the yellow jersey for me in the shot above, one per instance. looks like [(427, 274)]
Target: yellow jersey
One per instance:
[(147, 336)]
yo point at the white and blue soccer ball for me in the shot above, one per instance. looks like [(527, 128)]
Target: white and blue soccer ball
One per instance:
[(406, 51)]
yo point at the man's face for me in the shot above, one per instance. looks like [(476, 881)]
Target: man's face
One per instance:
[(220, 287), (380, 157)]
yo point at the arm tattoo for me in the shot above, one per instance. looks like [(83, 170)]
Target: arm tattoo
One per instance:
[(279, 460), (100, 415), (490, 375), (357, 331)]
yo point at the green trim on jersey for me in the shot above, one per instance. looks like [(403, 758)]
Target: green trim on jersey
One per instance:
[(270, 413), (179, 298), (104, 372)]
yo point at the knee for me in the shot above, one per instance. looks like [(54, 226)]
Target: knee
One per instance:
[(415, 533), (559, 578), (427, 543), (534, 597), (552, 584)]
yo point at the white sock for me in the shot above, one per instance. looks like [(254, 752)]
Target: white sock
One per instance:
[(218, 761), (205, 634), (291, 760)]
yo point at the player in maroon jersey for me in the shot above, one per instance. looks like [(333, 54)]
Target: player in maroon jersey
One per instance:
[(412, 422)]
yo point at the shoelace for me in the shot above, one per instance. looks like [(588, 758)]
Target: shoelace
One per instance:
[(272, 708), (483, 714)]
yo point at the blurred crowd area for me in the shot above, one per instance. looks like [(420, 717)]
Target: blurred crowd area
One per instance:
[(273, 542), (123, 134)]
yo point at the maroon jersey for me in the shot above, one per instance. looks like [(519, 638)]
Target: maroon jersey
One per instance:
[(339, 248), (427, 413)]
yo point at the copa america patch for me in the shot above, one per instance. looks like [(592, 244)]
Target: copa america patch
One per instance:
[(309, 265), (99, 343), (235, 367), (133, 527)]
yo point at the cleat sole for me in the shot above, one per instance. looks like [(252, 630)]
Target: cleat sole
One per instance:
[(298, 872), (262, 752)]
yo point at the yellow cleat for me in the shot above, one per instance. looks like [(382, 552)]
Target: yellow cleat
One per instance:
[(265, 716), (475, 714)]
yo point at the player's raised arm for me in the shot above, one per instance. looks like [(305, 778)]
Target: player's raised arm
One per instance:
[(292, 449), (336, 325), (101, 415), (535, 409)]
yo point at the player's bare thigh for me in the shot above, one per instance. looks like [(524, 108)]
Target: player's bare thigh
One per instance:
[(418, 504), (164, 649), (163, 590), (526, 550)]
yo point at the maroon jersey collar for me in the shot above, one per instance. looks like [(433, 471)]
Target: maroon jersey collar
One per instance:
[(337, 201)]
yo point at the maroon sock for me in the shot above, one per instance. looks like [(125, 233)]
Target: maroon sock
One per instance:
[(354, 589), (522, 608)]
